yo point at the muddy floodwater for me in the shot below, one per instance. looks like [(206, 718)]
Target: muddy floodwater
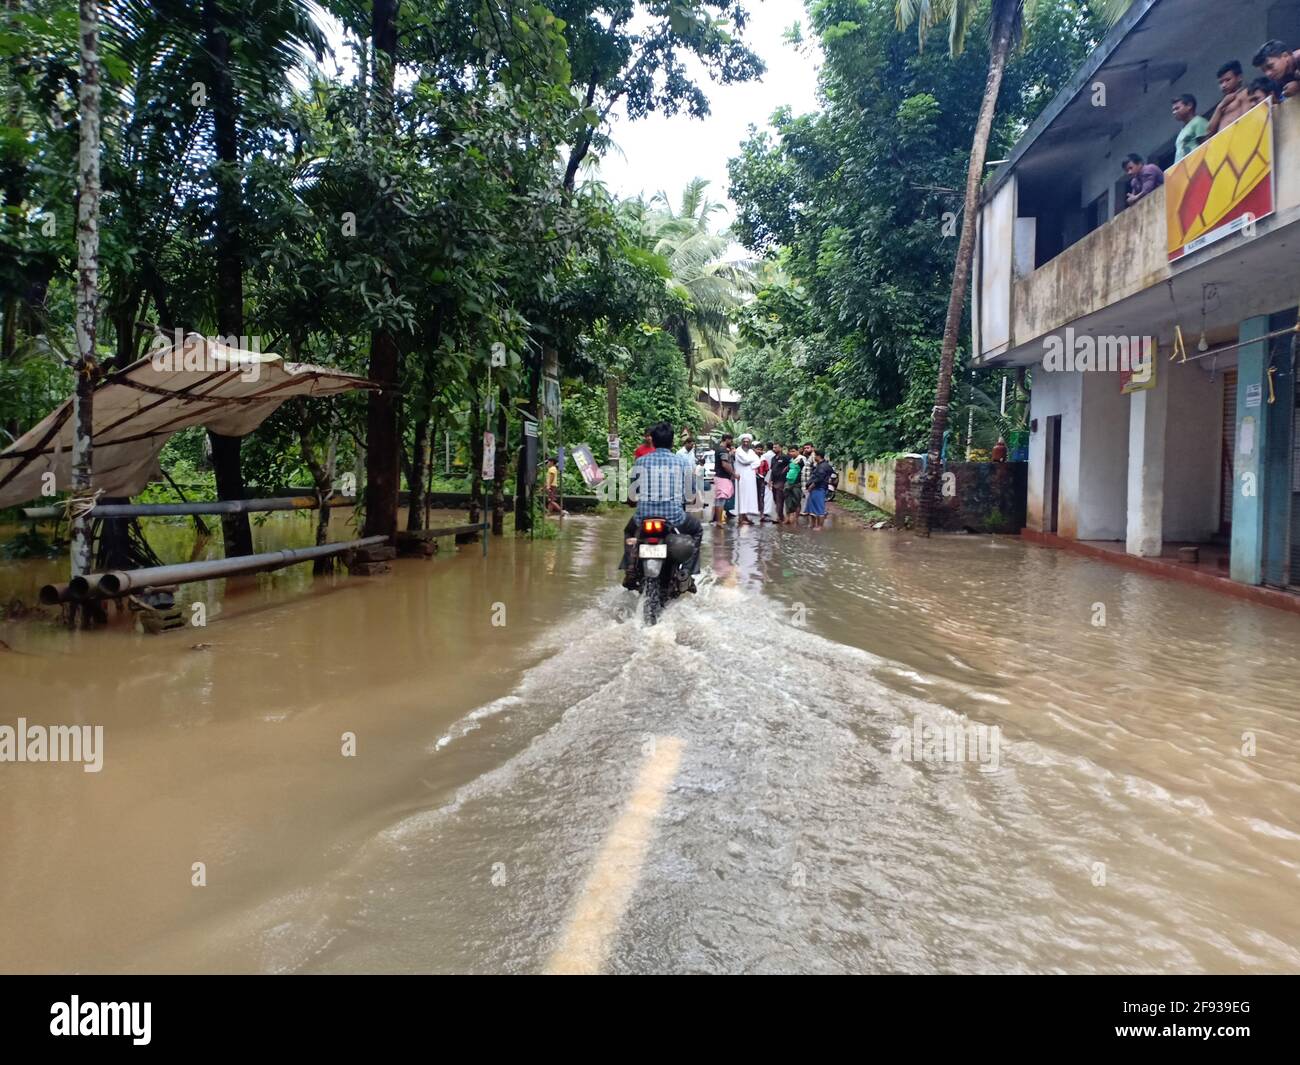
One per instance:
[(539, 781)]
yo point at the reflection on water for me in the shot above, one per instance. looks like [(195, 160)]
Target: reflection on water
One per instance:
[(1124, 831)]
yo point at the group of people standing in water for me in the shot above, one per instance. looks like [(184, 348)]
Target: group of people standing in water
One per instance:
[(769, 482)]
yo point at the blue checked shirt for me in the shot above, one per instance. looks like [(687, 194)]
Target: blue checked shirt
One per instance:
[(662, 482)]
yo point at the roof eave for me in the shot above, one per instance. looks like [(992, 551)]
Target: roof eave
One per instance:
[(1081, 80)]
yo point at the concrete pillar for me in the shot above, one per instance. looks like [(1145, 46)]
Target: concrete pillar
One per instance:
[(1246, 564), (1147, 417)]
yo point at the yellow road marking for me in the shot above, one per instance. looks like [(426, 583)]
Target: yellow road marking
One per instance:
[(590, 931)]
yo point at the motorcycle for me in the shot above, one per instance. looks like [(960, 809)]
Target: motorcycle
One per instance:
[(661, 564)]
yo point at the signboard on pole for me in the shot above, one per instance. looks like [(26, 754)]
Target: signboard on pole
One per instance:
[(613, 451), (489, 456), (586, 463)]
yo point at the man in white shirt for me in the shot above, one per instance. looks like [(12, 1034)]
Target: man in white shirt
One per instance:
[(688, 452)]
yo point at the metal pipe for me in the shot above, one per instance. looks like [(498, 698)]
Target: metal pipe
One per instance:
[(171, 510), (54, 594), (121, 582)]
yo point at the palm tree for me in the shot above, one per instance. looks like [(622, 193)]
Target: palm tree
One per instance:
[(1006, 26), (711, 287)]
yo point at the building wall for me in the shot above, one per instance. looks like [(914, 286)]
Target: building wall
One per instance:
[(1054, 393), (872, 481), (1103, 459), (1193, 452), (993, 304), (1123, 257), (981, 497)]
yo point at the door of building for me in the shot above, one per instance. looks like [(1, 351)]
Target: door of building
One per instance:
[(1228, 486)]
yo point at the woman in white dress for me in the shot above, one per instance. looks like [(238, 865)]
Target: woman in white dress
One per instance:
[(747, 461)]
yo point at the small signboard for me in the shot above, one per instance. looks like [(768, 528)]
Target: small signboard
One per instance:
[(613, 452), (592, 474), (530, 429), (489, 456), (1254, 395)]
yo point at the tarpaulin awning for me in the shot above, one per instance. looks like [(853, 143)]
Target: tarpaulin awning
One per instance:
[(202, 382)]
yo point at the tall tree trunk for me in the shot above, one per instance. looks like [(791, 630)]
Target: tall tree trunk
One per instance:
[(583, 144), (15, 186), (322, 475), (419, 466), (501, 461), (383, 440), (1004, 14), (235, 528), (87, 294)]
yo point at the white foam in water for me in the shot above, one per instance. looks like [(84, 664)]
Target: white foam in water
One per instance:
[(474, 719)]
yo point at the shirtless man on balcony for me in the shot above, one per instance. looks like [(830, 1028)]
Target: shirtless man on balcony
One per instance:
[(1236, 97)]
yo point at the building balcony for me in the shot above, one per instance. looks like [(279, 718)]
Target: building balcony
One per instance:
[(1119, 278)]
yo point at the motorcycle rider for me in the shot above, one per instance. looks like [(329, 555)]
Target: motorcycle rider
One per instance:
[(661, 485)]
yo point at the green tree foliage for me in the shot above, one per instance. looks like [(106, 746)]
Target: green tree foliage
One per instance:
[(657, 388), (861, 200), (452, 221)]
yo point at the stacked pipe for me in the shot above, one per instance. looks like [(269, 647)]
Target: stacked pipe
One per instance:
[(171, 510), (116, 583)]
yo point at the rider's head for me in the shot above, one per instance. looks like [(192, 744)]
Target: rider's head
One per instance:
[(661, 435)]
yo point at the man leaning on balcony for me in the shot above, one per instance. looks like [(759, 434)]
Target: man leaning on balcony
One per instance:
[(1143, 178), (1281, 65), (1195, 128)]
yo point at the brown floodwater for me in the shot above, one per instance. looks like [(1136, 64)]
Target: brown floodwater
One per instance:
[(1142, 815)]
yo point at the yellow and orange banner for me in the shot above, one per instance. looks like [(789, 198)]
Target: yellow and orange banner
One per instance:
[(1223, 186)]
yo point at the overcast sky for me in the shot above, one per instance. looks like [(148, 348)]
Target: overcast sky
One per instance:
[(661, 153)]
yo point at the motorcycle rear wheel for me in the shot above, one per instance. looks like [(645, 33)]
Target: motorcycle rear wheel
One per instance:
[(654, 602)]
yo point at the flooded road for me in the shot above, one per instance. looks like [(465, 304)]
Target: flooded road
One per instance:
[(541, 783)]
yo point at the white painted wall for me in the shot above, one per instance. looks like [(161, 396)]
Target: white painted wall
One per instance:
[(1148, 424), (1095, 431), (1054, 393), (1102, 483), (1193, 452), (997, 225), (872, 481)]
